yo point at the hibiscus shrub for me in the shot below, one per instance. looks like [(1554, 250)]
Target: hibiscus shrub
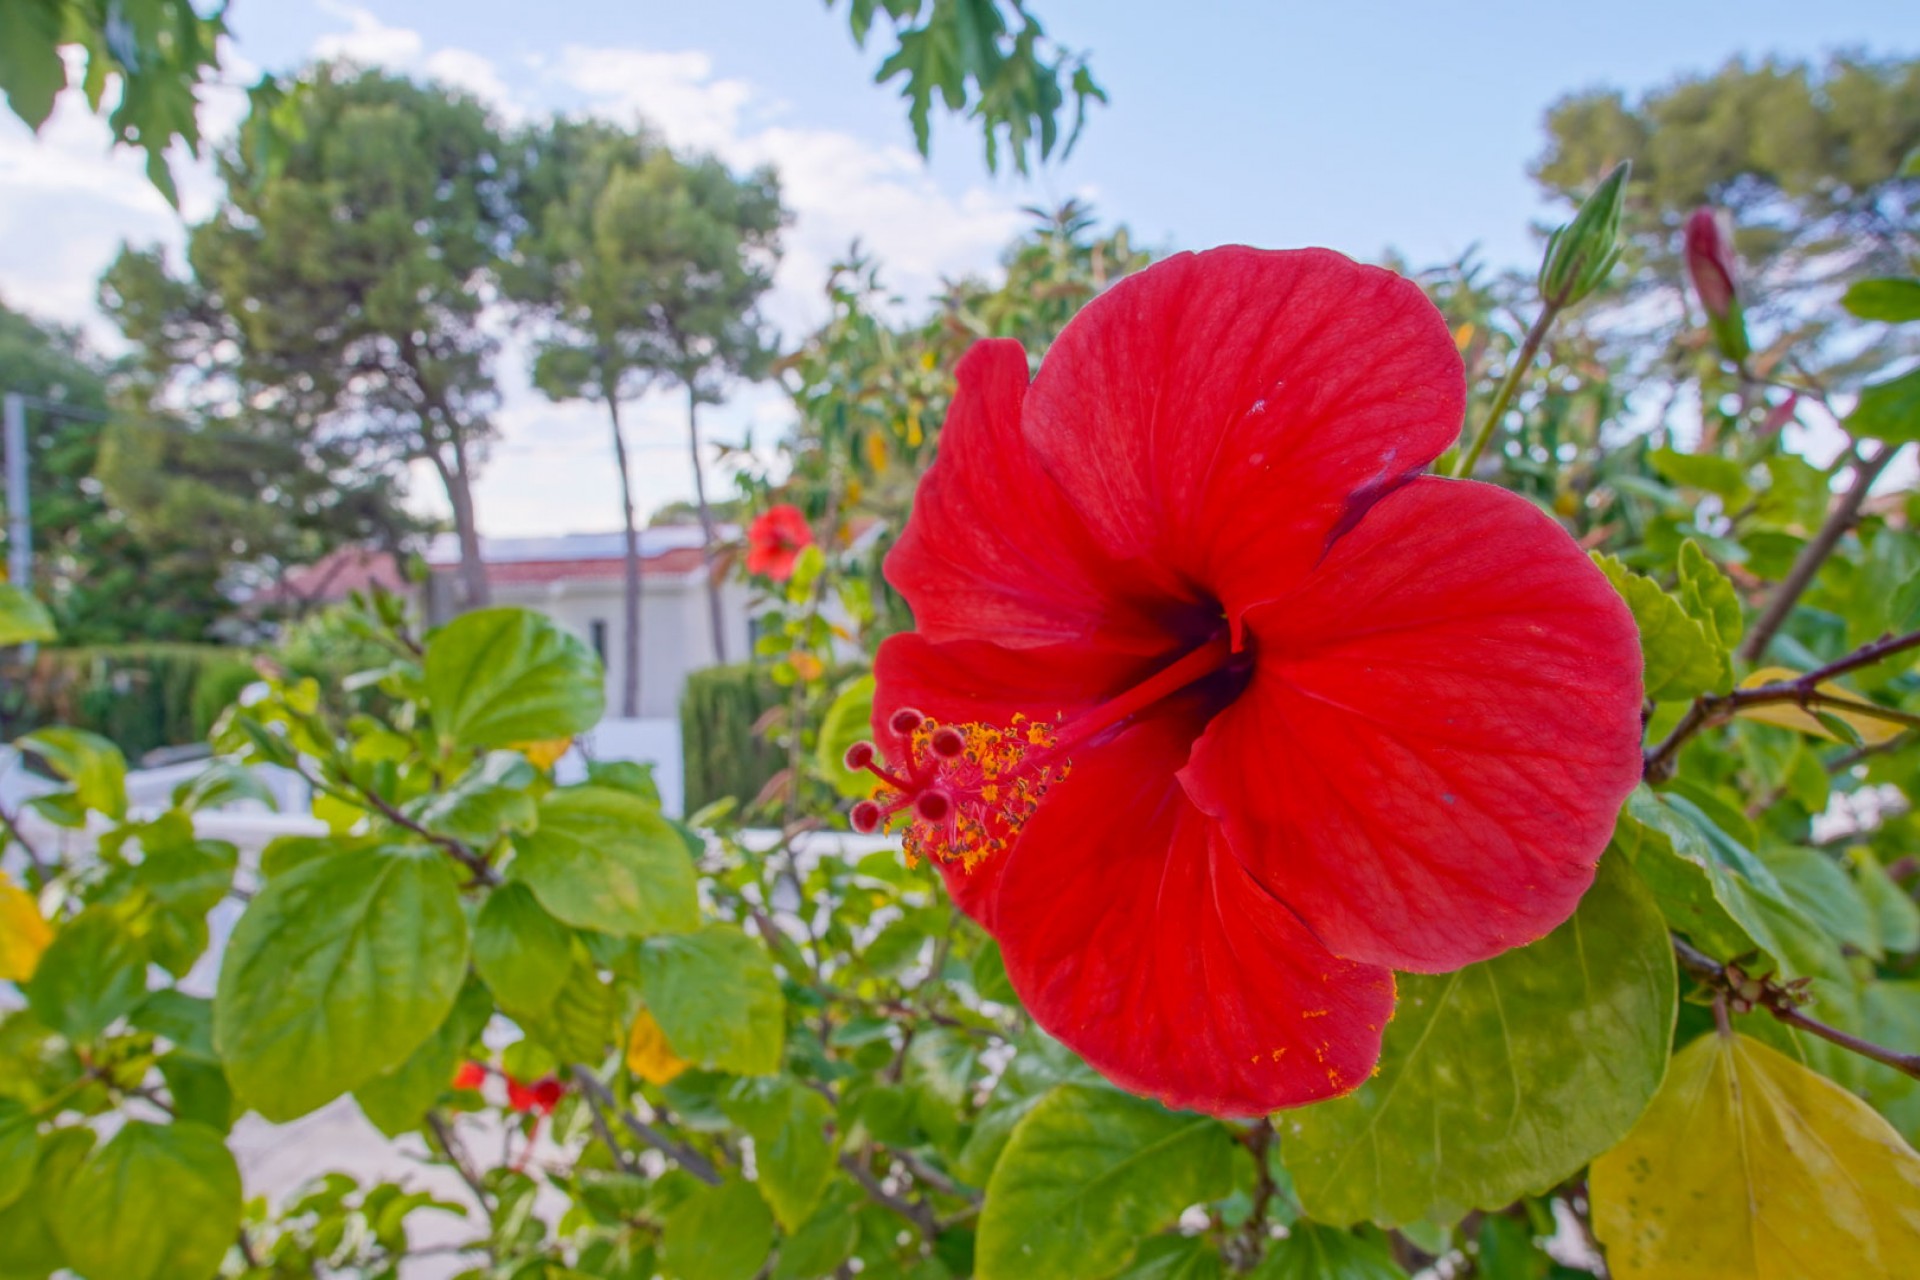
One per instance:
[(1270, 851)]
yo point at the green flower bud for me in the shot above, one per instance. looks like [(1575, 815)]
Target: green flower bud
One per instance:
[(1580, 254)]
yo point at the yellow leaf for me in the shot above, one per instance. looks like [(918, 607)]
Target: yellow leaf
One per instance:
[(876, 452), (649, 1056), (1462, 336), (23, 934), (806, 665), (1748, 1166), (543, 754), (1872, 729)]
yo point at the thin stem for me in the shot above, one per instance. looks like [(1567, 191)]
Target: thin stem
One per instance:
[(1522, 361), (689, 1159), (483, 872), (1815, 554), (450, 1147), (1784, 1005), (1716, 708), (597, 1108), (918, 1214)]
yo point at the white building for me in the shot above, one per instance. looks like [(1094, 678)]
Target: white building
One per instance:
[(576, 579)]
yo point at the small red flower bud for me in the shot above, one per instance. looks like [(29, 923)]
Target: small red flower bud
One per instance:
[(947, 742), (858, 756), (540, 1097), (1710, 260), (905, 721), (865, 818)]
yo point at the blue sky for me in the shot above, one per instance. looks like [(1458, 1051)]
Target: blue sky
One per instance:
[(1358, 125)]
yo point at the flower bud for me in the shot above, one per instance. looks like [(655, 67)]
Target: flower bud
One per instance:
[(1580, 254), (1710, 266)]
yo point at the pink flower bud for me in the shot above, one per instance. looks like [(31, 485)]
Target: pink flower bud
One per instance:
[(1710, 260)]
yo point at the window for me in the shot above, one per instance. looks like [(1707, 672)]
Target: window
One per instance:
[(597, 630)]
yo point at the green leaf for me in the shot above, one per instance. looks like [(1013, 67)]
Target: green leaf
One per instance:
[(523, 953), (1797, 495), (1314, 1252), (1826, 894), (606, 860), (338, 970), (1708, 596), (716, 996), (716, 1233), (1896, 919), (94, 972), (1501, 1079), (826, 1240), (32, 1252), (1888, 411), (19, 1149), (1039, 1063), (1175, 1257), (1892, 299), (92, 765), (159, 1202), (488, 801), (31, 70), (1682, 659), (1717, 475), (792, 1152), (23, 619), (199, 1090), (847, 721), (1089, 1171), (397, 1101), (1892, 1017), (497, 677), (578, 1024), (174, 1015), (1712, 889)]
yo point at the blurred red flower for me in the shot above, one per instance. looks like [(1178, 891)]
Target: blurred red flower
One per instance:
[(1217, 709), (775, 540), (1710, 261), (471, 1075), (539, 1097)]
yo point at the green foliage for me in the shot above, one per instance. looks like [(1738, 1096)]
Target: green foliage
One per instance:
[(171, 1194), (499, 677), (140, 697), (604, 859), (722, 756)]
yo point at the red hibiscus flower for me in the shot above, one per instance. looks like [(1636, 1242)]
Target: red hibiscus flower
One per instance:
[(1218, 710), (539, 1097), (471, 1075), (775, 540)]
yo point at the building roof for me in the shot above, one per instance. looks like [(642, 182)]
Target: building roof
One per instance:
[(336, 575), (666, 551)]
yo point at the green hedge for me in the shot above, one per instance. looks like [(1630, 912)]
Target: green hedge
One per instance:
[(141, 696), (722, 754)]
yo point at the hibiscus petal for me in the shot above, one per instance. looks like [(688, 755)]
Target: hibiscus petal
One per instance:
[(992, 551), (1441, 726), (1223, 412), (968, 681), (1134, 937)]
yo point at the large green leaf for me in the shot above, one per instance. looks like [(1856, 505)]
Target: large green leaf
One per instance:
[(578, 1023), (848, 720), (606, 860), (792, 1151), (26, 1226), (1826, 894), (94, 972), (1896, 919), (1713, 889), (1894, 299), (1039, 1063), (397, 1100), (1683, 658), (1892, 1017), (93, 765), (1888, 411), (1501, 1079), (1723, 476), (19, 1149), (338, 970), (1089, 1171), (718, 999), (23, 620), (1313, 1252), (1175, 1257), (501, 676), (716, 1233), (523, 953), (159, 1202)]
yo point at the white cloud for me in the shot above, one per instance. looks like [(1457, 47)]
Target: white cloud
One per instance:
[(367, 40)]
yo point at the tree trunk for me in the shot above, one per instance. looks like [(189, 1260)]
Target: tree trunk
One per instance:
[(473, 569), (630, 601), (708, 541)]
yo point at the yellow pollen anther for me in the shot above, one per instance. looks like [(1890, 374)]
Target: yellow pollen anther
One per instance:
[(986, 793)]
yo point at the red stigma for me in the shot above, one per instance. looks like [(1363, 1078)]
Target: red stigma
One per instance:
[(963, 791)]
